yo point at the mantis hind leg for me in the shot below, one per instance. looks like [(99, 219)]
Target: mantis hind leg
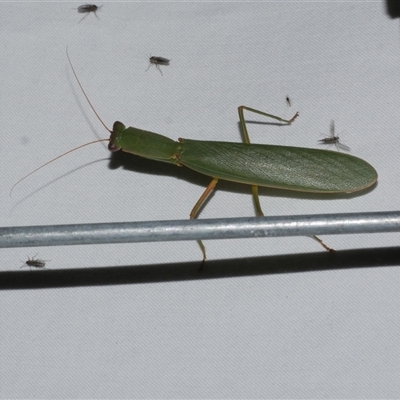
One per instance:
[(326, 247), (256, 200), (246, 139), (196, 209), (242, 121), (260, 213)]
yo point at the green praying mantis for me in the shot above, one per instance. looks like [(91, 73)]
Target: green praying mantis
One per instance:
[(279, 167)]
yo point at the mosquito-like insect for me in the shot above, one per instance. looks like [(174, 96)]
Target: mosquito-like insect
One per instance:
[(333, 140)]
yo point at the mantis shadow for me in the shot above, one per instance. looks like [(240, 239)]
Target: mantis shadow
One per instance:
[(189, 271), (393, 8)]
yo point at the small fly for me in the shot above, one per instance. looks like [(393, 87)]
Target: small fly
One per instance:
[(87, 9), (157, 61), (35, 262)]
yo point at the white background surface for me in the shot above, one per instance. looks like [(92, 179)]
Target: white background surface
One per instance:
[(332, 333)]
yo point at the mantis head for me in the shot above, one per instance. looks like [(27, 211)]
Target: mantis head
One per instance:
[(116, 136)]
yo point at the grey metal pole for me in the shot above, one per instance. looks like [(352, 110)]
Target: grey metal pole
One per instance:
[(157, 231)]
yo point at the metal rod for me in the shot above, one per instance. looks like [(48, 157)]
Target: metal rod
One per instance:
[(157, 231)]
